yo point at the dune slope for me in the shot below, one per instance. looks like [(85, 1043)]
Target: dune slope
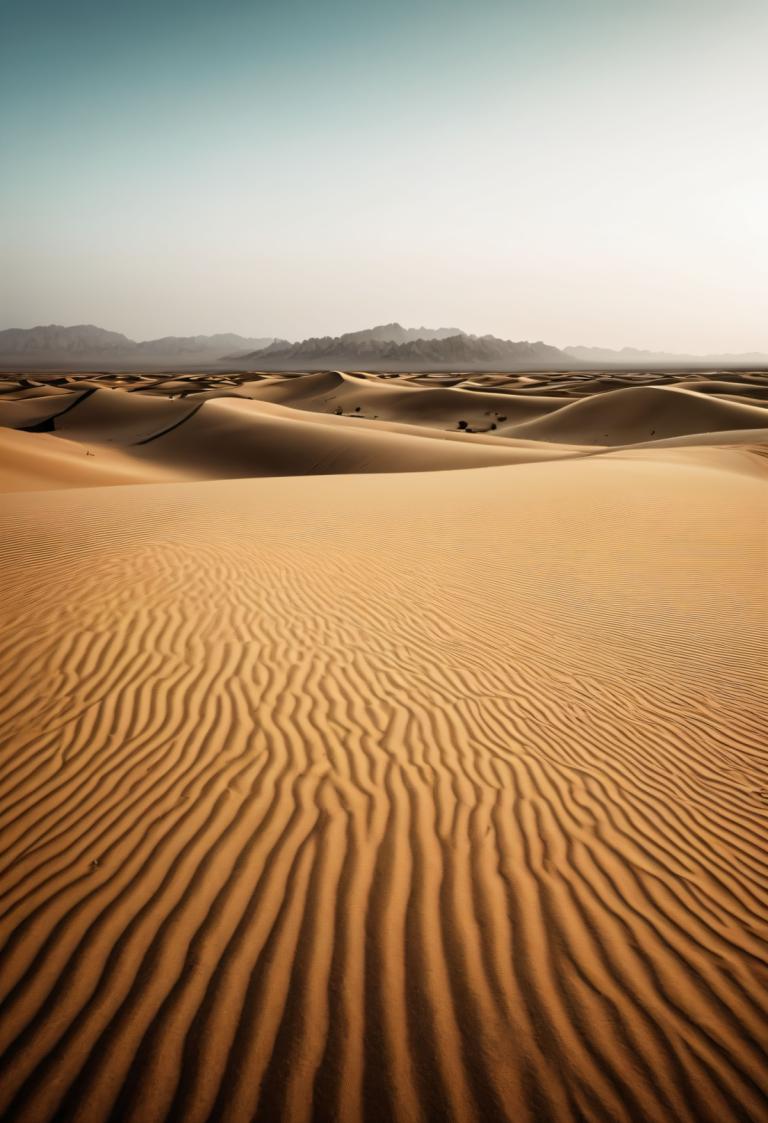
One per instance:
[(199, 426), (642, 413), (388, 797), (41, 462)]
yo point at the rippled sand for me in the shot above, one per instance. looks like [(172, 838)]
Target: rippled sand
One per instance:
[(422, 795)]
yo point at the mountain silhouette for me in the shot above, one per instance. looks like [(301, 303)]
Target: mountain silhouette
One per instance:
[(384, 348), (86, 345), (634, 356)]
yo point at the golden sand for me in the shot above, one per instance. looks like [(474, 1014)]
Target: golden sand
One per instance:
[(385, 794)]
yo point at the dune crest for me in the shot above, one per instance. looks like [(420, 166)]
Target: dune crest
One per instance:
[(234, 426)]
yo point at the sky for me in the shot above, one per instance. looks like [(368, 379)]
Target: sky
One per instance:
[(577, 171)]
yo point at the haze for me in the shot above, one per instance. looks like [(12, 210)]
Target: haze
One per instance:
[(579, 172)]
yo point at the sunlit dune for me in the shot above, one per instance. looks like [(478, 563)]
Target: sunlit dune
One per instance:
[(228, 427)]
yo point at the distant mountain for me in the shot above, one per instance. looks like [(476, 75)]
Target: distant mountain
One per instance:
[(87, 346), (384, 347), (369, 351), (396, 333), (55, 339), (632, 356), (213, 345)]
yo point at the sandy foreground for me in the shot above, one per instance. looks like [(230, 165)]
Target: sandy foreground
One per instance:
[(369, 768)]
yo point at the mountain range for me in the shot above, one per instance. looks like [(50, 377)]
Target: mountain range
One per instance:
[(396, 333), (394, 348), (84, 345), (386, 347), (634, 356)]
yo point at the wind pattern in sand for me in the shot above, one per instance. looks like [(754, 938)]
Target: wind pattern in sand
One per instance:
[(381, 798)]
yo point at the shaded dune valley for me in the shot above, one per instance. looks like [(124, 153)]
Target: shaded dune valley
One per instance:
[(384, 748)]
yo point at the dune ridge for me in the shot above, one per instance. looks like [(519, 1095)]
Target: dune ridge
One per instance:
[(197, 426)]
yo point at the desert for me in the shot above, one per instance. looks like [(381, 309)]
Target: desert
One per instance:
[(384, 561), (384, 745)]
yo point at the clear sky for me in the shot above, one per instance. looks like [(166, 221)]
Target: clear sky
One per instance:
[(579, 171)]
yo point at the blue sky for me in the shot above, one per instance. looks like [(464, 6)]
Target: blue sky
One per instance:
[(574, 170)]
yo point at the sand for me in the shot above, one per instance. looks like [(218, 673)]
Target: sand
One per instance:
[(366, 793)]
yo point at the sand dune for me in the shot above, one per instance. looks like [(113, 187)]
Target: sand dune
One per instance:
[(407, 796), (727, 388), (36, 414), (640, 413), (234, 438), (41, 462), (114, 417), (18, 391), (216, 427), (430, 405)]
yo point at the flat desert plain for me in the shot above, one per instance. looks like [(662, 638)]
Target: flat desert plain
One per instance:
[(384, 748)]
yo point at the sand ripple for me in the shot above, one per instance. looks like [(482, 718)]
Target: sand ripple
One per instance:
[(376, 798)]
